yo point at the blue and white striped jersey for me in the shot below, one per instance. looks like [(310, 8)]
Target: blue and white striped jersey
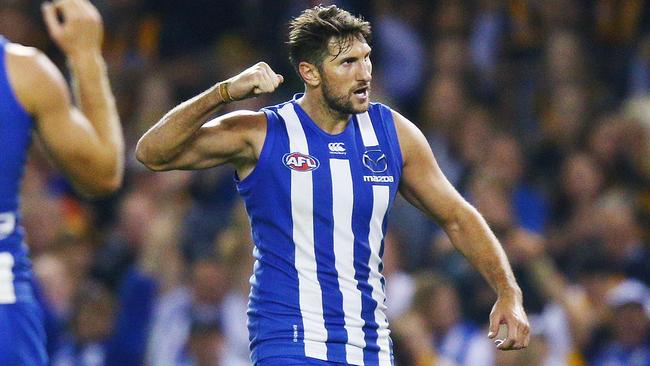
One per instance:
[(15, 138), (318, 206)]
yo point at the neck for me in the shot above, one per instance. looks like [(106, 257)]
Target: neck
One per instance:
[(326, 118)]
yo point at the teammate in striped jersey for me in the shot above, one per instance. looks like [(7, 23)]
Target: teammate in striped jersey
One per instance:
[(86, 143), (318, 175)]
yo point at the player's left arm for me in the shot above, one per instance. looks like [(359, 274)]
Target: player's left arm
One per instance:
[(424, 185)]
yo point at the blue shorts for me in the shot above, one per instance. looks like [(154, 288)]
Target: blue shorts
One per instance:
[(22, 334), (296, 361)]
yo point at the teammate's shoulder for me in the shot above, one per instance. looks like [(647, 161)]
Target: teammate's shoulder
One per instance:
[(21, 50), (35, 79), (30, 62), (24, 54)]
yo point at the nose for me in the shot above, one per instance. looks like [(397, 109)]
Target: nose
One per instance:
[(365, 73)]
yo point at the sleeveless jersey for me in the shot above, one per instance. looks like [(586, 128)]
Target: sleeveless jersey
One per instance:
[(318, 207), (15, 137)]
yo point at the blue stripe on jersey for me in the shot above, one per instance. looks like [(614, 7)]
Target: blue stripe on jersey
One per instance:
[(384, 122)]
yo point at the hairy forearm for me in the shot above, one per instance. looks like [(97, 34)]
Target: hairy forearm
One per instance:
[(93, 94), (471, 235), (167, 138)]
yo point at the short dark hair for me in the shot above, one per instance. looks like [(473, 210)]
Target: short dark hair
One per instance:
[(311, 32)]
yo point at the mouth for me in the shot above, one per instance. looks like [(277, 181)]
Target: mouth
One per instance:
[(362, 92)]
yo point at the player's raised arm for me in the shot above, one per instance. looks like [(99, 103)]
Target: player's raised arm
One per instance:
[(87, 144), (183, 140), (424, 185)]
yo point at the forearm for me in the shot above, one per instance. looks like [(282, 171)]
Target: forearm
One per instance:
[(93, 93), (471, 235), (167, 138)]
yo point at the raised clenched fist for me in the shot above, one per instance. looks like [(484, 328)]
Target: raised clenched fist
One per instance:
[(75, 25), (257, 79)]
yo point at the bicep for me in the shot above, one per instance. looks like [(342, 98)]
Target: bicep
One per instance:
[(230, 138), (423, 184)]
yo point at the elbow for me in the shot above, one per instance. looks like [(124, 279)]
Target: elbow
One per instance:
[(458, 218), (106, 184), (113, 181), (106, 187), (143, 155), (155, 167), (151, 165), (100, 189)]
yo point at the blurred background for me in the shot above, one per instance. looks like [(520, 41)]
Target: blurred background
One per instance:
[(537, 111)]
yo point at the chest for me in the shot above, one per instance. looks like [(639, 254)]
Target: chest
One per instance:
[(340, 162)]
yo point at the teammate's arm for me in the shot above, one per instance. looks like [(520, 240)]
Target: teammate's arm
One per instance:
[(424, 185), (183, 140), (87, 144)]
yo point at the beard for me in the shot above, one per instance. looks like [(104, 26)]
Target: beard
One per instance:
[(341, 103)]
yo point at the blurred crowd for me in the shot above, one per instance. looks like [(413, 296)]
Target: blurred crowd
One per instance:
[(537, 111)]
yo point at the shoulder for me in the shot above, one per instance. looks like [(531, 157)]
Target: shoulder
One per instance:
[(247, 126), (25, 53), (261, 120), (403, 125), (34, 77), (29, 62), (277, 112), (411, 139), (239, 121)]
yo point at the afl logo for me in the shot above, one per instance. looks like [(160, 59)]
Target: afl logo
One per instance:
[(300, 162)]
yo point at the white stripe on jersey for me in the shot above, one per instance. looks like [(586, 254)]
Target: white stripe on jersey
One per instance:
[(7, 291), (342, 202), (302, 215), (367, 131), (381, 197)]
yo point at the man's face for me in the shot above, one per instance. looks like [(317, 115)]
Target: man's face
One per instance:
[(346, 78)]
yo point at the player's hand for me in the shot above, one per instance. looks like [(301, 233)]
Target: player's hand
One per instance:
[(508, 310), (257, 79), (75, 25)]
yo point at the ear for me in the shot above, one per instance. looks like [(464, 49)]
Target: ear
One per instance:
[(309, 73)]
